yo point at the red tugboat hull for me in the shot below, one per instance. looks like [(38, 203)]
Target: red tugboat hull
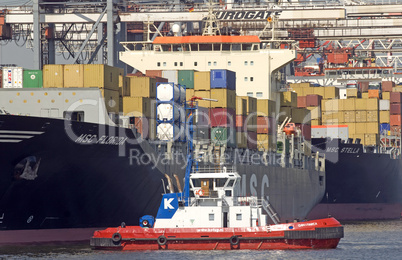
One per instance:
[(316, 234)]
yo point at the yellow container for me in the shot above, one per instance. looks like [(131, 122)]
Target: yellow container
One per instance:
[(137, 107), (319, 91), (315, 112), (316, 121), (372, 116), (351, 93), (112, 100), (365, 95), (53, 76), (203, 94), (397, 89), (288, 99), (299, 91), (74, 75), (361, 116), (301, 116), (202, 80), (126, 87), (351, 128), (361, 104), (241, 106), (251, 104), (384, 116), (266, 107), (372, 104), (349, 116), (361, 128), (265, 142), (308, 91), (189, 94), (225, 97), (101, 76), (349, 104), (386, 95), (372, 128), (142, 86), (305, 85), (358, 136), (371, 139), (331, 92)]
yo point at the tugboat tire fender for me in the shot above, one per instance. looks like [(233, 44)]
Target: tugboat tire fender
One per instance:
[(162, 240), (234, 240), (116, 237)]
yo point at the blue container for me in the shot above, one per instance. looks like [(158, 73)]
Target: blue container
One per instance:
[(385, 127), (223, 79)]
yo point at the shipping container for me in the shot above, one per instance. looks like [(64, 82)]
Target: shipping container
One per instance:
[(372, 116), (241, 139), (364, 87), (372, 104), (301, 101), (186, 78), (53, 76), (384, 117), (170, 132), (361, 116), (202, 80), (266, 142), (266, 125), (316, 121), (142, 86), (189, 94), (251, 104), (171, 76), (224, 117), (315, 112), (33, 79), (101, 76), (330, 131), (12, 77), (266, 107), (384, 105), (284, 112), (144, 127), (170, 92), (241, 106), (396, 130), (241, 123), (372, 128), (112, 100), (203, 94), (223, 79), (252, 140), (387, 86), (74, 76), (365, 95), (331, 93), (288, 99), (349, 104), (137, 107), (386, 95), (395, 97), (318, 91), (395, 120), (384, 128), (154, 73), (351, 93), (305, 130), (225, 97), (371, 139), (313, 100), (223, 136), (374, 93), (342, 93), (332, 104), (395, 109), (301, 116)]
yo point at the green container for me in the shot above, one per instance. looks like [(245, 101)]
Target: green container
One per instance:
[(33, 79), (186, 77), (223, 136)]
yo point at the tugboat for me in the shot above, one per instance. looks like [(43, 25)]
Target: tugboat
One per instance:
[(209, 214)]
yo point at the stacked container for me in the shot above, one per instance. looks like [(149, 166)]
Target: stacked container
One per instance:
[(12, 77), (202, 88), (33, 79), (250, 122), (266, 125), (395, 112), (170, 115)]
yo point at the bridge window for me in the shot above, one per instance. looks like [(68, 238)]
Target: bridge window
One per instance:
[(194, 47), (158, 64), (229, 63), (236, 47), (259, 94), (217, 47), (166, 47), (177, 47), (255, 47), (186, 47), (205, 47), (249, 94), (225, 47), (246, 47), (251, 63)]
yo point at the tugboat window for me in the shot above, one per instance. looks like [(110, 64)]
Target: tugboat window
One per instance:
[(211, 217), (238, 216)]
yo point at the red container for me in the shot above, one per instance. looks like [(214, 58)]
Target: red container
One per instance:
[(142, 126), (222, 117), (240, 122), (153, 73), (313, 100), (396, 130), (1, 78), (396, 97), (305, 130), (160, 79), (395, 109), (395, 120), (302, 101), (387, 86), (265, 125), (252, 140)]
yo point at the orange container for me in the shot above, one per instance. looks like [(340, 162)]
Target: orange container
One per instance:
[(374, 93), (395, 120)]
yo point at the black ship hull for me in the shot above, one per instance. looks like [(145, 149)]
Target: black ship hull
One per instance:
[(57, 175), (360, 185)]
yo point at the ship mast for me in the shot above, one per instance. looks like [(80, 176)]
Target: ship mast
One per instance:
[(211, 23)]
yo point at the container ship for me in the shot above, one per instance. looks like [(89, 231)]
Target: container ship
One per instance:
[(70, 165), (359, 133)]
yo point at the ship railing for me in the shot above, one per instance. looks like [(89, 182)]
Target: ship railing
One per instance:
[(213, 169)]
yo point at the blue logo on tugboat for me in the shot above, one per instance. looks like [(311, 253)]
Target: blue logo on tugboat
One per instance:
[(169, 205)]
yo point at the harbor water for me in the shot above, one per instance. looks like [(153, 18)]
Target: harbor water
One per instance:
[(363, 240)]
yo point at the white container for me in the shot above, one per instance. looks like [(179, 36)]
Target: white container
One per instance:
[(171, 75), (12, 77), (168, 112), (170, 92), (384, 104), (169, 132), (342, 93), (331, 131)]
